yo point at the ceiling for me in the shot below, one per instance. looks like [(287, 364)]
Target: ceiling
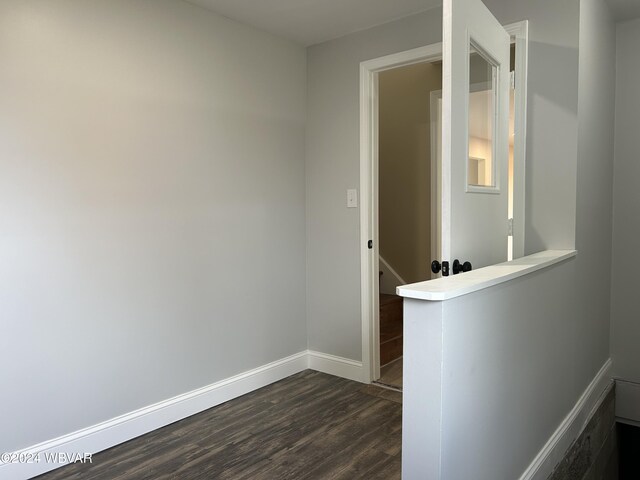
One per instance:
[(624, 9), (308, 22)]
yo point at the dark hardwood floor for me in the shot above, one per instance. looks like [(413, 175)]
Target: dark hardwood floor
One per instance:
[(308, 426)]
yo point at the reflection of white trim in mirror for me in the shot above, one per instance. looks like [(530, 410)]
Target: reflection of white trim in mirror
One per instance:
[(481, 149), (482, 110), (477, 171)]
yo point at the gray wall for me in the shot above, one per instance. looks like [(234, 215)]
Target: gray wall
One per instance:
[(625, 328), (550, 203), (332, 166), (502, 398), (568, 317), (596, 111), (152, 235)]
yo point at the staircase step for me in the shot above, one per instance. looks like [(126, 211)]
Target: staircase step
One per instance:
[(386, 299), (390, 328), (390, 313), (391, 350)]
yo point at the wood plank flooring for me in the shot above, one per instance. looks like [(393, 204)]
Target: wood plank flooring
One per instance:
[(308, 426)]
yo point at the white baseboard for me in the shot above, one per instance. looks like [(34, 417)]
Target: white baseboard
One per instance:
[(131, 425), (571, 427), (126, 427), (627, 402), (338, 366)]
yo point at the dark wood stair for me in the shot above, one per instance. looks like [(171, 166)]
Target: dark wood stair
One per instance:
[(390, 328)]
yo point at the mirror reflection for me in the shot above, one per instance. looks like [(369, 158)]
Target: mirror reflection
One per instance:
[(482, 103)]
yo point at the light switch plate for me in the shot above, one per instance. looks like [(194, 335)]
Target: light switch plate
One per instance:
[(352, 198)]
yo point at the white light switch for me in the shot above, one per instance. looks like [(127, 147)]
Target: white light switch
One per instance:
[(352, 198)]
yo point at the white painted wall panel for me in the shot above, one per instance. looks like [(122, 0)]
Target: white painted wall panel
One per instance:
[(509, 378)]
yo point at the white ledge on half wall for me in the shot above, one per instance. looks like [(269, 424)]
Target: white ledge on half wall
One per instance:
[(453, 286)]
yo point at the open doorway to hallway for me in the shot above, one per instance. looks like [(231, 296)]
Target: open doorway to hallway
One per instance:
[(409, 152), (373, 250), (406, 209)]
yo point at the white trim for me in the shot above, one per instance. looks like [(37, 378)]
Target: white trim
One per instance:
[(131, 425), (446, 288), (428, 53), (628, 401), (520, 34), (571, 427), (396, 275), (369, 299), (338, 366), (139, 422)]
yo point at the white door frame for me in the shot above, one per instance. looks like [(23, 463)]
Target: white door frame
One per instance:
[(369, 196), (369, 266)]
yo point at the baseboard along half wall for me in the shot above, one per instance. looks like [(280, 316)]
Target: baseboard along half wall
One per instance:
[(131, 425), (571, 427)]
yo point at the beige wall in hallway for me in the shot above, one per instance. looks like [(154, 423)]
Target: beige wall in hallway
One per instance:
[(404, 168)]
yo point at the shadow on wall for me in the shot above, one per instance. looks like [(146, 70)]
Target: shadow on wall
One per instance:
[(550, 185)]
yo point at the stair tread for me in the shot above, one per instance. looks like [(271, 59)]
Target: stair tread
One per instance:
[(386, 299), (390, 327), (390, 314), (390, 331), (391, 338), (390, 350)]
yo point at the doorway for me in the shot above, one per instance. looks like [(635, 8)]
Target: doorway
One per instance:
[(371, 262), (405, 206)]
